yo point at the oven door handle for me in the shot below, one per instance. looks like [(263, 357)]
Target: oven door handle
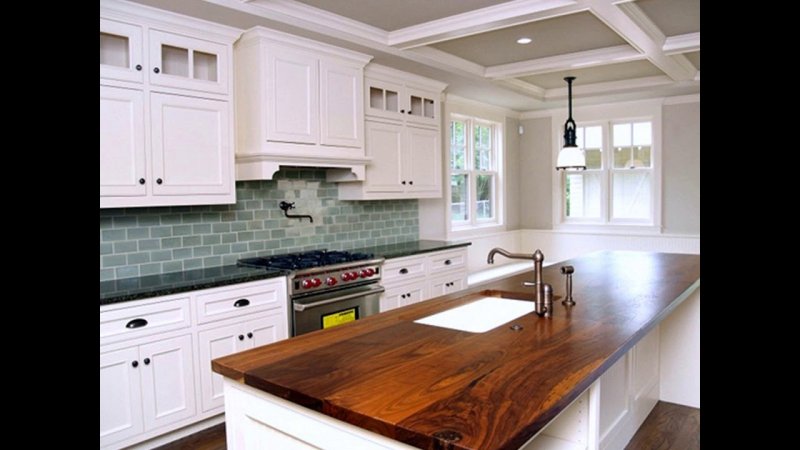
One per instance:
[(300, 307)]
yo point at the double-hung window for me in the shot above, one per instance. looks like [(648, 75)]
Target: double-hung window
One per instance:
[(618, 186), (474, 172)]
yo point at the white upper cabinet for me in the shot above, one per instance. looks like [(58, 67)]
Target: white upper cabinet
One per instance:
[(188, 63), (403, 137), (121, 51), (165, 138), (122, 150), (298, 102)]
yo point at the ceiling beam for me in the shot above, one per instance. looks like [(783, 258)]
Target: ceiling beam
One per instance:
[(630, 22), (609, 87), (503, 15), (683, 43), (589, 58)]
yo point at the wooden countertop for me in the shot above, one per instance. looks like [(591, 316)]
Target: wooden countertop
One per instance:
[(415, 382)]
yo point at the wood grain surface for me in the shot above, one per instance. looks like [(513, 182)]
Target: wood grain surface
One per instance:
[(433, 387)]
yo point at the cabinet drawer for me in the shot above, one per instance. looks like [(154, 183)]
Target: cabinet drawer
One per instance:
[(403, 269), (136, 321), (449, 260), (240, 300)]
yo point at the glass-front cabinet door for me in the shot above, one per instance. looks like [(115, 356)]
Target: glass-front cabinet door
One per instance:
[(423, 107), (383, 99), (187, 63), (121, 51)]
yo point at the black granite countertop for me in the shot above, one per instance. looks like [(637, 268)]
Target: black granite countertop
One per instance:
[(128, 289), (389, 251)]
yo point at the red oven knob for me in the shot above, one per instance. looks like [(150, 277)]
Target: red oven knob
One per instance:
[(364, 273), (353, 275), (307, 283), (346, 276), (317, 282), (370, 272), (331, 281)]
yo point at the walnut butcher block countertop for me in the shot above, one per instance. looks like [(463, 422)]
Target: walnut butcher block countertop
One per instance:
[(414, 382)]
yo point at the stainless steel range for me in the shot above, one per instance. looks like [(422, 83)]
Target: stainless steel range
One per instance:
[(327, 288)]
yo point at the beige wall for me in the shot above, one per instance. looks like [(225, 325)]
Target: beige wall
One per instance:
[(681, 160), (536, 173)]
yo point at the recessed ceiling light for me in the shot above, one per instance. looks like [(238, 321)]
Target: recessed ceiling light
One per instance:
[(524, 40)]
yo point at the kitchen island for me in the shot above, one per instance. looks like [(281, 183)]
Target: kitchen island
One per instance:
[(387, 382)]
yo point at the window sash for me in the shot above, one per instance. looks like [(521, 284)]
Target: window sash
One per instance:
[(472, 173)]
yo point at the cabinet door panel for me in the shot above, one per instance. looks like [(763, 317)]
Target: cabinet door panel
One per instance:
[(167, 381), (384, 99), (384, 144), (447, 284), (266, 330), (292, 96), (121, 51), (188, 63), (341, 109), (191, 145), (614, 399), (423, 107), (423, 162), (122, 152), (120, 396), (213, 344), (404, 294)]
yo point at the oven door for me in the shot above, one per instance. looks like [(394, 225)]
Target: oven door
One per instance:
[(326, 310)]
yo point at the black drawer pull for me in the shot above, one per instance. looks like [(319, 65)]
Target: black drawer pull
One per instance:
[(146, 361), (241, 337), (135, 364), (249, 335), (136, 323), (403, 271), (447, 262), (241, 303)]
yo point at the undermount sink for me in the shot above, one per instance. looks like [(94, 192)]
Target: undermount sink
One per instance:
[(481, 315)]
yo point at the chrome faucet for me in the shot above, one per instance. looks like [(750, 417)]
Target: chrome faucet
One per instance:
[(544, 291)]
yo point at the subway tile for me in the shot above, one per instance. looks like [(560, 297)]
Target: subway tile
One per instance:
[(238, 226), (256, 245), (124, 221), (192, 241), (106, 248), (125, 246), (161, 255), (201, 251), (211, 239), (244, 236), (229, 259), (107, 274), (211, 217), (192, 217), (170, 219), (160, 232), (172, 266), (221, 249), (194, 263), (126, 272), (212, 261), (113, 260), (150, 269), (112, 235), (138, 233), (278, 234), (181, 253), (181, 230), (138, 258), (149, 244), (148, 220), (244, 215), (201, 228), (173, 242), (227, 238), (238, 248)]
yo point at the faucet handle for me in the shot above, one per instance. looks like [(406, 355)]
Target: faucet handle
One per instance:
[(568, 271)]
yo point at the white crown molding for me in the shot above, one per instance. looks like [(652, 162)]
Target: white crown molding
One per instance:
[(607, 87), (379, 71), (589, 58), (322, 18), (682, 99), (532, 90), (683, 43), (168, 20), (637, 30), (435, 55), (485, 19), (456, 100)]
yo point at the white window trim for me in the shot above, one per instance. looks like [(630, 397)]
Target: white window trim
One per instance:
[(609, 114), (483, 226)]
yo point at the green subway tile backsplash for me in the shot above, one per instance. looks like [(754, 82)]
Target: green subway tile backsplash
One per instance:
[(146, 241)]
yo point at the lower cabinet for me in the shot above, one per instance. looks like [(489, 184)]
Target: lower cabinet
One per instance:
[(236, 337), (145, 387), (155, 355), (413, 279)]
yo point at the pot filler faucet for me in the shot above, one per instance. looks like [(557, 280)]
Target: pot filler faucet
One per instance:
[(544, 291)]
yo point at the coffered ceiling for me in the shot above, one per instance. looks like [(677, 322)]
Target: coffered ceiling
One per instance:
[(617, 49)]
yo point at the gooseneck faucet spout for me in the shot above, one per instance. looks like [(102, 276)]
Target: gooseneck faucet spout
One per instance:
[(544, 292)]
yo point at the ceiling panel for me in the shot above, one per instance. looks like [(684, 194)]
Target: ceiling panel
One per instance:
[(392, 15), (673, 17), (596, 74), (694, 58), (550, 37)]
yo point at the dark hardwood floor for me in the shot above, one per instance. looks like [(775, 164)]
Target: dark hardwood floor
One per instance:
[(668, 427)]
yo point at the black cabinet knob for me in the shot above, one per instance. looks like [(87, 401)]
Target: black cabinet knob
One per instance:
[(141, 180), (135, 364), (447, 262), (409, 111), (138, 67), (410, 182), (402, 295), (159, 181), (408, 295), (402, 182), (146, 361), (249, 335), (156, 70), (402, 111), (241, 337)]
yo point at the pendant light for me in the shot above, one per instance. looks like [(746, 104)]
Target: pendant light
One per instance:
[(570, 157)]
